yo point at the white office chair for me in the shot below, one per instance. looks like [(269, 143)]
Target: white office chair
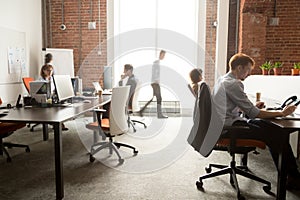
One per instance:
[(114, 126), (135, 107)]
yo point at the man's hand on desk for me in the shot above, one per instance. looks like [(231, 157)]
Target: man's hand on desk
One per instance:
[(260, 104), (288, 110)]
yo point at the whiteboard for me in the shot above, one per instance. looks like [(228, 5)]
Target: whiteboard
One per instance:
[(12, 56), (62, 62)]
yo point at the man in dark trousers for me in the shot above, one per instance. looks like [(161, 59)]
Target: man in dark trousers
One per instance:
[(155, 86)]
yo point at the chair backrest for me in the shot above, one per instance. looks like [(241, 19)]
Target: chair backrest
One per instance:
[(118, 110), (208, 126), (135, 103), (26, 81), (8, 127)]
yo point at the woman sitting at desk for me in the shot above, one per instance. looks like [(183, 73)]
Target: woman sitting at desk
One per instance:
[(46, 75)]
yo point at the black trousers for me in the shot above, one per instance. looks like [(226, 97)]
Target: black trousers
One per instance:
[(270, 134), (156, 93)]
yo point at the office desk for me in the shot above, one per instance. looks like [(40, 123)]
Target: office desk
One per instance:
[(282, 172), (55, 116)]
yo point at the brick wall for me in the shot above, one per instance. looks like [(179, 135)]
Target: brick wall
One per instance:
[(211, 31), (256, 37), (264, 41), (89, 58)]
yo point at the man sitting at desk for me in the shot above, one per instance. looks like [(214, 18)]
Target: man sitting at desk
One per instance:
[(231, 99), (127, 78)]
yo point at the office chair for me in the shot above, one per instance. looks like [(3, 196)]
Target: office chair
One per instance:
[(135, 108), (26, 81), (6, 129), (206, 136), (114, 126)]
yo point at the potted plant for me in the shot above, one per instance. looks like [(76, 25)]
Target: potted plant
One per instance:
[(277, 68), (296, 69), (266, 67)]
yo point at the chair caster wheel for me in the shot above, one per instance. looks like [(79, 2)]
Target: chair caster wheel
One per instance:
[(199, 185), (92, 158), (135, 152), (27, 149), (208, 169), (121, 161), (267, 188)]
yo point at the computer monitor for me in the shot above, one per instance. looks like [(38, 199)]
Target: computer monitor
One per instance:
[(40, 90), (63, 87), (77, 85)]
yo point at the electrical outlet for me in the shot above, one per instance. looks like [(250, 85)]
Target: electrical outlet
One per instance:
[(92, 25), (274, 21)]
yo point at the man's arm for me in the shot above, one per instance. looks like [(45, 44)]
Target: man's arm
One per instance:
[(270, 114)]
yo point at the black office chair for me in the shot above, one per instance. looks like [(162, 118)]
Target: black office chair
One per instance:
[(6, 129), (206, 136)]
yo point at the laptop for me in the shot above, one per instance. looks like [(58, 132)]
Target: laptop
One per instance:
[(98, 87)]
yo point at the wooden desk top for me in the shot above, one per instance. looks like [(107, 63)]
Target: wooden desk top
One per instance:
[(52, 114), (286, 123)]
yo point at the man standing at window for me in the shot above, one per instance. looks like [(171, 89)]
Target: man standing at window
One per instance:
[(155, 86)]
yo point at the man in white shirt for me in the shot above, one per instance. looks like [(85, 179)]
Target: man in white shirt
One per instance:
[(155, 86), (230, 100)]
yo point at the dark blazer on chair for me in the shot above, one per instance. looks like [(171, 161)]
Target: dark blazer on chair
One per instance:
[(207, 126)]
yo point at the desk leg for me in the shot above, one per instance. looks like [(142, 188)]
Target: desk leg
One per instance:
[(282, 169), (58, 161), (95, 133), (45, 132)]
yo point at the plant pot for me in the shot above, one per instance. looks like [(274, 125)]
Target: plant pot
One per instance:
[(265, 72), (295, 72), (277, 71)]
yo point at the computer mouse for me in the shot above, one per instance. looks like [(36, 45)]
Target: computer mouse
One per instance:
[(86, 101)]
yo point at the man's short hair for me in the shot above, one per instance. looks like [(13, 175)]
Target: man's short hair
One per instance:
[(162, 51), (240, 59), (128, 67)]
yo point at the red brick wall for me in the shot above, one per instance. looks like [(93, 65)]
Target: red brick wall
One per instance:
[(211, 10), (88, 63), (265, 42), (256, 37)]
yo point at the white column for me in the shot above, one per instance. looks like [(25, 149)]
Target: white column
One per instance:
[(221, 38)]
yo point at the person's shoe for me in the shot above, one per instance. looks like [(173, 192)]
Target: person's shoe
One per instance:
[(293, 183), (161, 116), (64, 128)]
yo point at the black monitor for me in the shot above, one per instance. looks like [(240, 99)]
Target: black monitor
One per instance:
[(63, 87)]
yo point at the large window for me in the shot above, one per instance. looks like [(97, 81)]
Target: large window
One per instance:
[(143, 27)]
